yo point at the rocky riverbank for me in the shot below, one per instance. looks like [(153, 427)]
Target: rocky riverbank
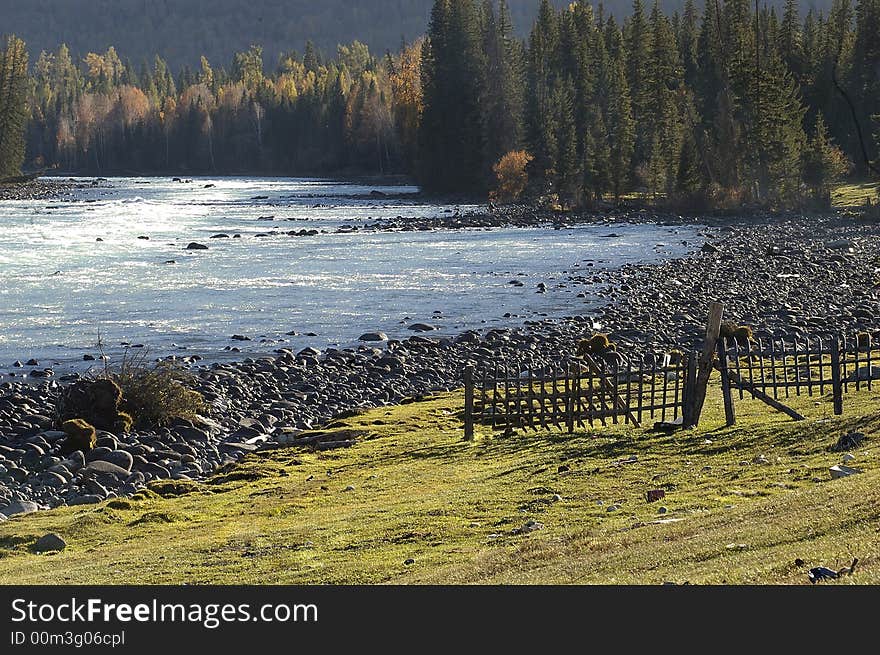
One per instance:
[(42, 189), (781, 275)]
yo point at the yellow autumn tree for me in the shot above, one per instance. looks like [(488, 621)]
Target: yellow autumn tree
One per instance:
[(511, 175)]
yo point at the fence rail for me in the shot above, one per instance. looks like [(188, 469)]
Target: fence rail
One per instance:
[(631, 388)]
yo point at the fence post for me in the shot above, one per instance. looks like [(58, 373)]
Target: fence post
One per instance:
[(704, 369), (569, 399), (469, 403), (836, 385), (690, 381), (729, 407)]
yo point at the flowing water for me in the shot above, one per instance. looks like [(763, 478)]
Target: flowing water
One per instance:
[(74, 273)]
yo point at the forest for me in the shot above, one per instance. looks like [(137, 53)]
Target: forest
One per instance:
[(724, 105)]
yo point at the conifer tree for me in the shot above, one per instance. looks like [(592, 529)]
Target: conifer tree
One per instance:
[(543, 64), (452, 146), (637, 37), (13, 105), (617, 111)]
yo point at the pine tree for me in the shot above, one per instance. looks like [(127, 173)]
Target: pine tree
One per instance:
[(13, 105), (688, 42), (790, 41), (663, 80), (617, 112), (564, 154), (542, 71), (824, 163), (865, 77), (504, 83), (637, 37), (452, 147)]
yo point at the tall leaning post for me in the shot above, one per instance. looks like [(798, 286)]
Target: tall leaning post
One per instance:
[(705, 365), (469, 403)]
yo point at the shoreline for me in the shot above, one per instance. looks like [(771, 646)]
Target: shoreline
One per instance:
[(778, 275)]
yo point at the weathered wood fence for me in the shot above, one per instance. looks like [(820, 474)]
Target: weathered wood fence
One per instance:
[(577, 393), (773, 370), (667, 388)]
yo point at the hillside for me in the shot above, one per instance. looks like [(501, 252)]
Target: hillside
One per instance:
[(182, 30), (411, 502)]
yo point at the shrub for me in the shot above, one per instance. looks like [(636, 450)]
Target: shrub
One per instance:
[(154, 395), (511, 174), (80, 436), (134, 394)]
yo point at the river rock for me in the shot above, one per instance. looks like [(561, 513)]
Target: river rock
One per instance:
[(19, 507), (373, 336), (101, 466), (120, 458), (196, 246), (421, 327)]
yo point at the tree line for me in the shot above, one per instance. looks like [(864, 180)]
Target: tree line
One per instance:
[(726, 105)]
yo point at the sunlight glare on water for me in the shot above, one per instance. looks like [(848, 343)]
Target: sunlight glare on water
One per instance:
[(60, 286)]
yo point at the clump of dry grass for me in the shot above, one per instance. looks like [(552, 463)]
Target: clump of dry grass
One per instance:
[(154, 394)]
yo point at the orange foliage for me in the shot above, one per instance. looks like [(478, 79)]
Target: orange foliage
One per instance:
[(511, 174)]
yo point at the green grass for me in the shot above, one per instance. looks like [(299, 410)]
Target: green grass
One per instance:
[(855, 195), (415, 490)]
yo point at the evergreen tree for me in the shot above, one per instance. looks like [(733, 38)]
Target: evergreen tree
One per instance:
[(637, 37), (504, 83), (662, 119), (452, 148), (865, 77), (617, 111), (688, 42), (13, 105), (543, 65), (824, 163)]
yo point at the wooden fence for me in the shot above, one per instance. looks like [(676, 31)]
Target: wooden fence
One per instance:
[(663, 388), (804, 365), (578, 392)]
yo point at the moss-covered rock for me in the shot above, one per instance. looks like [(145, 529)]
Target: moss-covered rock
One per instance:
[(80, 436), (94, 401), (595, 345)]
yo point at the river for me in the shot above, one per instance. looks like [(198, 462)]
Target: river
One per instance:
[(94, 274)]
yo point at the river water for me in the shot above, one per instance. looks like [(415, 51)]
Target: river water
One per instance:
[(62, 290)]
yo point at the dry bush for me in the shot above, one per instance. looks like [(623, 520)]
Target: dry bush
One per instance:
[(154, 393)]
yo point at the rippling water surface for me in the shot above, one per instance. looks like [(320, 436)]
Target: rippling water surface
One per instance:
[(61, 288)]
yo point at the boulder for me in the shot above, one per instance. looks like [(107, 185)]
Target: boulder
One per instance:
[(373, 336), (120, 458), (19, 507), (421, 327), (49, 543), (100, 466)]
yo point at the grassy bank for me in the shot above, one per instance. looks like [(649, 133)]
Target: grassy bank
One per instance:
[(413, 503), (855, 195)]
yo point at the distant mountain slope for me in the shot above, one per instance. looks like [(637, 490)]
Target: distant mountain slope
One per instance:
[(181, 30)]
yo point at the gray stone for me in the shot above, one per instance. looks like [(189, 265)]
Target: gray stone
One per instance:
[(49, 543), (373, 336), (421, 327), (101, 466), (120, 458), (19, 507)]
